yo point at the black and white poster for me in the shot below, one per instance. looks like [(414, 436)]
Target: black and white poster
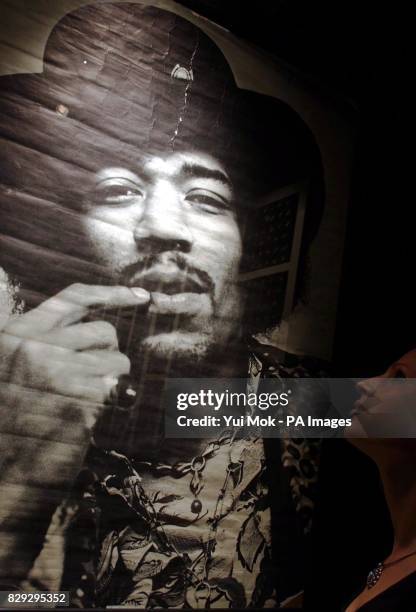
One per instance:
[(172, 205)]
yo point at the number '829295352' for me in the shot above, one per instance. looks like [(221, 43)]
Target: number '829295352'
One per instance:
[(19, 599)]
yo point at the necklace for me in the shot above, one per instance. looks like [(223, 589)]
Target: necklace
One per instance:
[(196, 466), (142, 506), (375, 574)]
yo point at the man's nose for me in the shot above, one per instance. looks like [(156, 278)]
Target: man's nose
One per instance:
[(164, 223)]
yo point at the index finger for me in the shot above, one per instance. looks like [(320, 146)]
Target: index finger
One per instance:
[(73, 304)]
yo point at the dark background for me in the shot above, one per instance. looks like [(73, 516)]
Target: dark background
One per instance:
[(358, 50)]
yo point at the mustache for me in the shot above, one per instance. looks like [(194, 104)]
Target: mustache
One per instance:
[(183, 275)]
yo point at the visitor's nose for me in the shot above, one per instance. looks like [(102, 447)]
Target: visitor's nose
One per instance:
[(164, 221), (369, 385)]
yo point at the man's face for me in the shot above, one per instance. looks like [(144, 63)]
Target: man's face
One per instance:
[(170, 227)]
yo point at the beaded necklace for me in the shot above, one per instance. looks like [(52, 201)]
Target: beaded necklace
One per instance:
[(147, 512)]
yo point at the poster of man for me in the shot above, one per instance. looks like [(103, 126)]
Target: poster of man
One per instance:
[(138, 181)]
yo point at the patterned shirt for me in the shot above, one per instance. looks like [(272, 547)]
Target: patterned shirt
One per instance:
[(193, 534)]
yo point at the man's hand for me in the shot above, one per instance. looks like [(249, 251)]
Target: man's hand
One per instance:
[(49, 348), (55, 373)]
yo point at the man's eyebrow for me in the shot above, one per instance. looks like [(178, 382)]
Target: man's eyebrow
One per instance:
[(201, 171)]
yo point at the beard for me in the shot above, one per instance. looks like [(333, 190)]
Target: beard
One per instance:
[(188, 316), (178, 345), (160, 347)]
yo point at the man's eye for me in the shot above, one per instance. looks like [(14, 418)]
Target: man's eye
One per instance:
[(208, 201), (116, 191)]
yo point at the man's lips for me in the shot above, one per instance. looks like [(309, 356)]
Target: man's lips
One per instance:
[(167, 280), (188, 304), (173, 291)]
